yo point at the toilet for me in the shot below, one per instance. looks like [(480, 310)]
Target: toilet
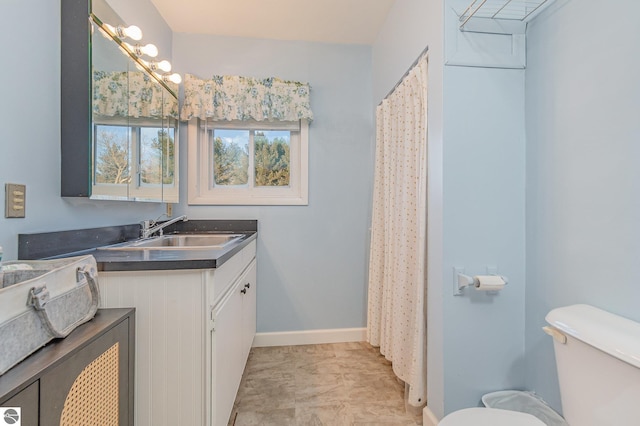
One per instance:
[(478, 416), (598, 363)]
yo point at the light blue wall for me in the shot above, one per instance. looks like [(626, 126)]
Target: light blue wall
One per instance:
[(411, 26), (311, 259), (484, 214), (30, 117), (583, 179)]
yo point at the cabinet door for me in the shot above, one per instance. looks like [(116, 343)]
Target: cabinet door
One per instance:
[(226, 341), (91, 387), (27, 400), (248, 282)]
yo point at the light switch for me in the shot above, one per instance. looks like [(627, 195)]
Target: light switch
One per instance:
[(14, 200)]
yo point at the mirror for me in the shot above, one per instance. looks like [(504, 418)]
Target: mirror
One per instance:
[(132, 130)]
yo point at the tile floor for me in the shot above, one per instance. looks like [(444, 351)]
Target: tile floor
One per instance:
[(332, 384)]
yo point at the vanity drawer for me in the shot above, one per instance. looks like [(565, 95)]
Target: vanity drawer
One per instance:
[(219, 279)]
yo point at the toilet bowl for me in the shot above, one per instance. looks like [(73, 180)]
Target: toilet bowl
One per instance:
[(478, 416)]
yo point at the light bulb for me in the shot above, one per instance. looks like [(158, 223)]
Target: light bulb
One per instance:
[(174, 78), (149, 50), (162, 65), (133, 32)]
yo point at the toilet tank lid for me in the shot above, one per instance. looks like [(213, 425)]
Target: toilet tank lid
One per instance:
[(613, 334)]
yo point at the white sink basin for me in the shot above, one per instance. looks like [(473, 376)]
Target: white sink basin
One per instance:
[(179, 242)]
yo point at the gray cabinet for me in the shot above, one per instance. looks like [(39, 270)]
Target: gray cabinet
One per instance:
[(82, 379), (27, 400)]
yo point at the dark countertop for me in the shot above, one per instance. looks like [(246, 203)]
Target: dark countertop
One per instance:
[(86, 241), (143, 260)]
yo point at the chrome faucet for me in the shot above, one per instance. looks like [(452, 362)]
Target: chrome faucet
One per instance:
[(150, 227)]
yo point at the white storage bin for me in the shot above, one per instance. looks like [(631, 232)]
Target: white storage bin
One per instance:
[(524, 402), (41, 300)]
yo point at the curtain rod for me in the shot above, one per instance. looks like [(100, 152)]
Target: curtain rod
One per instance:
[(420, 56)]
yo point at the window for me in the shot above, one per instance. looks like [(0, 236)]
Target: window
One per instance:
[(135, 160), (248, 162)]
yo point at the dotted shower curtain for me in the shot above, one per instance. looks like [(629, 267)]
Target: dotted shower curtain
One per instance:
[(397, 265)]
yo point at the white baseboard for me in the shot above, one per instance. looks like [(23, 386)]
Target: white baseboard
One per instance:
[(310, 337), (428, 418)]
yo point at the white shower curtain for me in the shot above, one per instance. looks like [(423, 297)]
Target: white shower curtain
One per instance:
[(397, 265)]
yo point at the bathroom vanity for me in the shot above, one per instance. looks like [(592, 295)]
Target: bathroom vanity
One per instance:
[(195, 318), (194, 331)]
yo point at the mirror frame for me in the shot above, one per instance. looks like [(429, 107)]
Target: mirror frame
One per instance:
[(75, 99)]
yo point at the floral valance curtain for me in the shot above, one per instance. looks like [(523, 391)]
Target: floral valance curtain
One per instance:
[(131, 94), (245, 98)]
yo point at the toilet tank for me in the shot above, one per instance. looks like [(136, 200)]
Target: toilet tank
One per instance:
[(598, 361)]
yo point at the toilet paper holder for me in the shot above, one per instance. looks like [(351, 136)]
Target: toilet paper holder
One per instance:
[(462, 280)]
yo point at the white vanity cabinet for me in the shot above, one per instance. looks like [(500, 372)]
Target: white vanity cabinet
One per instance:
[(194, 329)]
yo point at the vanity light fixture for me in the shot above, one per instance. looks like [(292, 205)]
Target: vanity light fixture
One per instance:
[(137, 50)]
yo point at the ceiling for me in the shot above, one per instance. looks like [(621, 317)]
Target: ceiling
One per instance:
[(328, 21)]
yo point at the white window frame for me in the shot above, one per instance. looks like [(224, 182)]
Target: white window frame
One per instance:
[(202, 191)]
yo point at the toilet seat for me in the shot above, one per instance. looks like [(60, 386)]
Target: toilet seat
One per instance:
[(479, 416)]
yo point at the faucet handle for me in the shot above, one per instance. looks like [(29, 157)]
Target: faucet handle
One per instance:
[(145, 225)]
